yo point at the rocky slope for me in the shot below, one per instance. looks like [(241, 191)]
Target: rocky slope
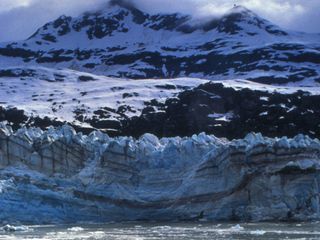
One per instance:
[(60, 176), (83, 99), (231, 109), (122, 41), (43, 97)]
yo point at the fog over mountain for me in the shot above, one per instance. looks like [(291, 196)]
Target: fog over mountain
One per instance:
[(20, 18)]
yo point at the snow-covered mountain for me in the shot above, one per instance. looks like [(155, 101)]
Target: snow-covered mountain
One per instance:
[(67, 71), (123, 41), (129, 73)]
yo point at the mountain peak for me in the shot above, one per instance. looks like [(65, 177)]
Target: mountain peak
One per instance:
[(123, 17), (241, 13), (241, 19)]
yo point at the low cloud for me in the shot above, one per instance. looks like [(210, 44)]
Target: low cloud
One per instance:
[(288, 14), (20, 18)]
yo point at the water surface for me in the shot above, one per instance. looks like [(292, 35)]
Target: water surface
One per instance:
[(183, 231)]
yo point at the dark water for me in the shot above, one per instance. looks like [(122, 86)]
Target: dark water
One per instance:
[(183, 231)]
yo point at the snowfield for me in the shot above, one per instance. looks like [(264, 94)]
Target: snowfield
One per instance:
[(59, 94)]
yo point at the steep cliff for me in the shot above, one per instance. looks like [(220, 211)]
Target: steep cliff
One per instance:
[(62, 176)]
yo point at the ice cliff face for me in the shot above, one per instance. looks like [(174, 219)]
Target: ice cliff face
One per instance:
[(63, 176)]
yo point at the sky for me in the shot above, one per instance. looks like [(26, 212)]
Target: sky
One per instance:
[(20, 18)]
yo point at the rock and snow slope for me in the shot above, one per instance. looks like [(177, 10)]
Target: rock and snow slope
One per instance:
[(122, 41), (59, 176), (65, 94), (231, 109), (37, 96), (59, 73)]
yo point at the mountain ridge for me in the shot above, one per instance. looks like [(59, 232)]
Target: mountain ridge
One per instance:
[(169, 21), (45, 97), (118, 42)]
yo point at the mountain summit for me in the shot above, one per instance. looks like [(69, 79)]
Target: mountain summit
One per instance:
[(123, 41), (122, 16), (240, 18)]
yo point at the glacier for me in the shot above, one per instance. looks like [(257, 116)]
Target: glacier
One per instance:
[(61, 176)]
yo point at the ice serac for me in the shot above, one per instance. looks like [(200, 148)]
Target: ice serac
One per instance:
[(60, 176)]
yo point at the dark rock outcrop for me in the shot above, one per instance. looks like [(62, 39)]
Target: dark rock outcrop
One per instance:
[(228, 112)]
